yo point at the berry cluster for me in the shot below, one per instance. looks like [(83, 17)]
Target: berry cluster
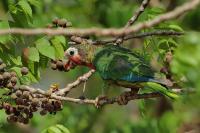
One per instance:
[(8, 79), (23, 103), (60, 23), (57, 65), (61, 65)]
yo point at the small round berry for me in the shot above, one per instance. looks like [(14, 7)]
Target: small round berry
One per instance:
[(18, 93), (24, 70), (13, 80), (19, 101), (26, 94), (13, 74), (59, 64), (6, 75), (9, 85), (43, 112), (1, 78), (62, 23), (55, 21), (53, 66)]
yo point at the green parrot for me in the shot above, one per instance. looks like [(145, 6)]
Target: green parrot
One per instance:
[(118, 65)]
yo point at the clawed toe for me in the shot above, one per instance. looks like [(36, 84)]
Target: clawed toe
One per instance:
[(100, 100), (123, 98)]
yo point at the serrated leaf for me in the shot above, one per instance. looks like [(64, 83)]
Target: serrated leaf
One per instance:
[(32, 78), (62, 128), (45, 48), (4, 38), (34, 3), (43, 61), (25, 80), (17, 70), (33, 54), (175, 27), (34, 69), (4, 91), (53, 130), (163, 44), (57, 44), (16, 61), (25, 7)]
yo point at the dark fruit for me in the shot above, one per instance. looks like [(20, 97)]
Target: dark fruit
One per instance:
[(35, 102), (62, 23), (13, 80), (18, 93), (24, 70), (53, 66), (19, 101), (6, 75), (13, 74), (9, 85), (2, 67), (59, 65), (25, 120), (43, 112), (1, 78), (55, 21), (26, 94), (12, 118)]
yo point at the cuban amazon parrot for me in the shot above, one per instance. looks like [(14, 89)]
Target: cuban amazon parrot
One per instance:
[(118, 65)]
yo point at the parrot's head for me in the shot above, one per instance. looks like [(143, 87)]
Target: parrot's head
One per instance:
[(81, 55)]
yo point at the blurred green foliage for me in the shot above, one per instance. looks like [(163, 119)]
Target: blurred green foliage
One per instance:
[(153, 116)]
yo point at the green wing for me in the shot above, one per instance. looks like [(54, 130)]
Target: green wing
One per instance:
[(114, 62)]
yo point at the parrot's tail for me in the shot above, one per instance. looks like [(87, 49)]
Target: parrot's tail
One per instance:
[(157, 87)]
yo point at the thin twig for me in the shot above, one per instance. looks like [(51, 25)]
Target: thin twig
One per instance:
[(107, 32), (70, 86), (140, 35), (134, 18)]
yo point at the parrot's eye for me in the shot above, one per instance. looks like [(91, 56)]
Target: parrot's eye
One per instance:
[(72, 51)]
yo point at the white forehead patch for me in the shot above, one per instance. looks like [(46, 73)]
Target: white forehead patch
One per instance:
[(72, 51)]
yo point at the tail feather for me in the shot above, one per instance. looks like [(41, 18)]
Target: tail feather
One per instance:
[(157, 87)]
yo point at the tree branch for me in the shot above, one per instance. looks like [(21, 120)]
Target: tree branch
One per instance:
[(107, 32), (70, 86), (140, 35), (133, 19)]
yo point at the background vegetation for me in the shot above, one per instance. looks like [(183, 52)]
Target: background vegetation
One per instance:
[(155, 115)]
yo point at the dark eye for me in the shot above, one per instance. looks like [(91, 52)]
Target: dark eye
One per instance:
[(71, 53)]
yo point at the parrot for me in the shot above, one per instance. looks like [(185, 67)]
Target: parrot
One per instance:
[(119, 66)]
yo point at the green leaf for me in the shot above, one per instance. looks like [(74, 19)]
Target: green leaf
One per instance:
[(25, 7), (17, 70), (43, 61), (56, 129), (45, 48), (175, 27), (62, 128), (57, 44), (16, 61), (33, 54), (53, 130), (163, 44), (25, 80), (4, 38), (35, 3)]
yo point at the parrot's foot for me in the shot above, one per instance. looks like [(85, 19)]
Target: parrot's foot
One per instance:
[(82, 97), (123, 98), (100, 100)]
